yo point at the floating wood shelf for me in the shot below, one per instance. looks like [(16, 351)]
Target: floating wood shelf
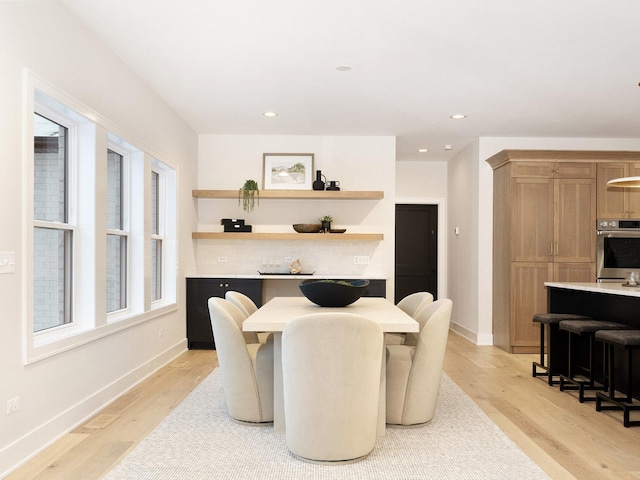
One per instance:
[(328, 237), (296, 194)]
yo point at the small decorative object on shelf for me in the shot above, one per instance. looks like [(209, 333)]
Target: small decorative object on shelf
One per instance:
[(334, 185), (247, 195), (326, 223), (307, 227), (318, 184), (235, 225), (295, 267)]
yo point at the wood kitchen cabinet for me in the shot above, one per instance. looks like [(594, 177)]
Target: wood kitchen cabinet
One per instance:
[(616, 202), (544, 230), (199, 290)]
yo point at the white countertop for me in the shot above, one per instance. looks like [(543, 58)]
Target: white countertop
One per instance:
[(606, 288), (274, 315), (289, 277)]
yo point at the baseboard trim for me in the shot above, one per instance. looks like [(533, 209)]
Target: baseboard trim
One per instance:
[(484, 339), (23, 449)]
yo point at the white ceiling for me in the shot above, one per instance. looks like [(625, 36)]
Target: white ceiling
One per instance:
[(543, 68)]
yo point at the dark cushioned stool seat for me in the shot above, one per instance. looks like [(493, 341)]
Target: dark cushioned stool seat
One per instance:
[(590, 326), (583, 328), (625, 338), (557, 317), (629, 340), (552, 367)]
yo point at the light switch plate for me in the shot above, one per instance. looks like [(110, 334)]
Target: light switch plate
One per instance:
[(7, 262)]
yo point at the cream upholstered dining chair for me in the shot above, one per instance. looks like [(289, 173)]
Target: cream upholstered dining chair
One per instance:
[(247, 306), (247, 368), (331, 389), (411, 305), (242, 301), (414, 371)]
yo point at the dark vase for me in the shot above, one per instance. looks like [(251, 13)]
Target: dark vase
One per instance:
[(318, 184), (326, 226)]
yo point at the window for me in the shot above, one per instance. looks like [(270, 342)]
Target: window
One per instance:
[(53, 234), (156, 238), (93, 228), (116, 235)]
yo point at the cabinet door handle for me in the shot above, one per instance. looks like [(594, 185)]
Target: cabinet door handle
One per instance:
[(556, 254), (551, 249)]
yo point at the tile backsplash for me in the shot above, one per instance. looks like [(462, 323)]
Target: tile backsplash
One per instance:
[(247, 257)]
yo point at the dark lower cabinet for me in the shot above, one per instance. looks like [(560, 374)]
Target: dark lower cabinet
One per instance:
[(199, 290), (376, 288)]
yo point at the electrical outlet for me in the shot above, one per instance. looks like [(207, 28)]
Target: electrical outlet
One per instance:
[(361, 259), (7, 262), (288, 259), (160, 333), (222, 259), (13, 405)]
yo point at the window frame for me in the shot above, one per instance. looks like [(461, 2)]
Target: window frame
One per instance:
[(125, 230), (69, 225), (90, 321)]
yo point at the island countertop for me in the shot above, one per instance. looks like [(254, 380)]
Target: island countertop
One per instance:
[(609, 288)]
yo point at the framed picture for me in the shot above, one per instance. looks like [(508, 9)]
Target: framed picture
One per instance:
[(287, 171)]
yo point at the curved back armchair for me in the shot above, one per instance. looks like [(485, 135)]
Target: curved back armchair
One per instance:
[(247, 306), (331, 389), (414, 371), (242, 301), (411, 305), (247, 368)]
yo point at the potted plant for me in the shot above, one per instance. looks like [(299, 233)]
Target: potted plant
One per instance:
[(247, 195), (326, 222)]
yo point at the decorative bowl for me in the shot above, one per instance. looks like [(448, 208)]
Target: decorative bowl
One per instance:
[(307, 227), (333, 293)]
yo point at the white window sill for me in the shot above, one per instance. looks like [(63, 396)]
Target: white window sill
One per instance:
[(65, 338)]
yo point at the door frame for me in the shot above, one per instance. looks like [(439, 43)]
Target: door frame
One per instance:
[(440, 202)]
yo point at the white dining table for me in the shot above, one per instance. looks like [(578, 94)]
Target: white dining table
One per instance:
[(274, 315)]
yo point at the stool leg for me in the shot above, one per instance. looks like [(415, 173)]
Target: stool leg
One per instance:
[(629, 376)]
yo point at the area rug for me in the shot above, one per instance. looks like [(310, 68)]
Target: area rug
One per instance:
[(198, 440)]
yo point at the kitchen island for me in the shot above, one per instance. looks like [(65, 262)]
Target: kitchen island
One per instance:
[(613, 302), (602, 301)]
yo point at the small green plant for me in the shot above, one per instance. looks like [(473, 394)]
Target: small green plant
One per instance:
[(326, 219), (247, 195)]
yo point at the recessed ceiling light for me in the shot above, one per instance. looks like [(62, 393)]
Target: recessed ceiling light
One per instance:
[(423, 150), (458, 116), (343, 68), (270, 114), (448, 147)]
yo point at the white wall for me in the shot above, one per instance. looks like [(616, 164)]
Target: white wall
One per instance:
[(463, 255), (59, 392), (359, 163)]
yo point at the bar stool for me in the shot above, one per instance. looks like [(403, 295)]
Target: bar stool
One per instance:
[(552, 320), (630, 341), (579, 329)]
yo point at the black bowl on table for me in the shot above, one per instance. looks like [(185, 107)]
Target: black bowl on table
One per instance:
[(333, 293)]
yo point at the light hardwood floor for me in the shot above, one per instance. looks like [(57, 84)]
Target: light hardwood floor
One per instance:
[(566, 438)]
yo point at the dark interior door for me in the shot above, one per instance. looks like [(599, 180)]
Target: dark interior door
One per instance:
[(416, 250)]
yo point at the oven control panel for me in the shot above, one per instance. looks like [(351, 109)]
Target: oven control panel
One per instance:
[(617, 224)]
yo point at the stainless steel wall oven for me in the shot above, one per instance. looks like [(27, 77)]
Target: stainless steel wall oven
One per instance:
[(617, 248)]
